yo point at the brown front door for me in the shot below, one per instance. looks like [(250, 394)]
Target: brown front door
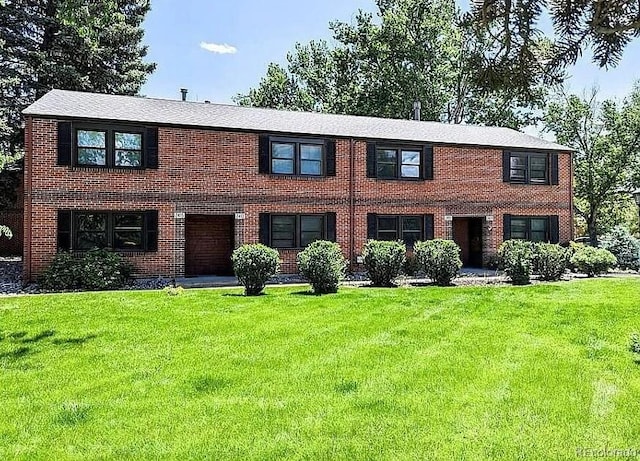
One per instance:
[(208, 245), (467, 233)]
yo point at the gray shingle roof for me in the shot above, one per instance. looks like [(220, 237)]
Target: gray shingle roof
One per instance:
[(73, 104)]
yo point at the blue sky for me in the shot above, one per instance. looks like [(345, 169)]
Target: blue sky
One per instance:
[(260, 32)]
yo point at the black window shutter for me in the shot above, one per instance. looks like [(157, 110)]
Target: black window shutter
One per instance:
[(263, 154), (427, 162), (428, 227), (506, 166), (151, 147), (371, 160), (330, 223), (330, 147), (265, 231), (372, 225), (151, 229), (506, 227), (553, 166), (554, 229), (64, 230), (65, 144)]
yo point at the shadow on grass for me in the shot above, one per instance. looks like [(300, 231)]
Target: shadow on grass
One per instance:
[(16, 354), (346, 387), (39, 336), (73, 341), (206, 384), (305, 293)]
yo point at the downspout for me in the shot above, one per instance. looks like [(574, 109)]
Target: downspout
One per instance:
[(352, 210), (27, 254), (571, 211)]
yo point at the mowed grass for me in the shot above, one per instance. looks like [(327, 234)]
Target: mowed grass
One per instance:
[(411, 373)]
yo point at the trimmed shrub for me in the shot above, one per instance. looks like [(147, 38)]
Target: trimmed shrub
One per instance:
[(550, 261), (516, 259), (323, 264), (104, 270), (624, 246), (593, 261), (98, 269), (439, 259), (383, 261), (63, 273), (411, 265), (254, 265), (492, 261)]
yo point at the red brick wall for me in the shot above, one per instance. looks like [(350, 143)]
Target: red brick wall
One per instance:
[(216, 172)]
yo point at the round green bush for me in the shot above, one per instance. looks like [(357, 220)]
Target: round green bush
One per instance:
[(383, 261), (104, 270), (64, 272), (98, 269), (550, 261), (254, 265), (323, 264), (439, 259), (516, 260), (593, 261), (624, 246)]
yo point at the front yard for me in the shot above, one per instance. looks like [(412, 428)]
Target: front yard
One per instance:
[(534, 372)]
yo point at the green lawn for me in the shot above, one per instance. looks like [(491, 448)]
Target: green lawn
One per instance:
[(411, 373)]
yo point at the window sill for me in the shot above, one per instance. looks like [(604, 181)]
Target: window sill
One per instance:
[(401, 179), (516, 183), (81, 253), (295, 176), (101, 169)]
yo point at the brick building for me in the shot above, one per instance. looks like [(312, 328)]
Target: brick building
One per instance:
[(177, 185)]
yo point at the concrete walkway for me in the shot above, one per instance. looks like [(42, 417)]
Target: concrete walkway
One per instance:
[(208, 281)]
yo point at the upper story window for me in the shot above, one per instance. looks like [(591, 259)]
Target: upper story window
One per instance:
[(399, 162), (105, 146), (530, 168), (109, 148), (297, 156)]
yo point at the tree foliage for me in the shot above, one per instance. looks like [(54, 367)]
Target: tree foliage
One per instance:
[(72, 44), (379, 65), (604, 26), (606, 139)]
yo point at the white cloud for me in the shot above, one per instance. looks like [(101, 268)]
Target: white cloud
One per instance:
[(218, 48)]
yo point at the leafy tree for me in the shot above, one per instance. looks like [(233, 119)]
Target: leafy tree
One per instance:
[(413, 49), (604, 26), (606, 138), (70, 44)]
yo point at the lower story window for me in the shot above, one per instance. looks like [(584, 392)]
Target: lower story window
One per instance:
[(296, 230), (118, 230), (409, 229), (532, 228)]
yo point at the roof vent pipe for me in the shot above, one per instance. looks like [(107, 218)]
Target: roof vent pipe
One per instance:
[(417, 106), (184, 92)]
